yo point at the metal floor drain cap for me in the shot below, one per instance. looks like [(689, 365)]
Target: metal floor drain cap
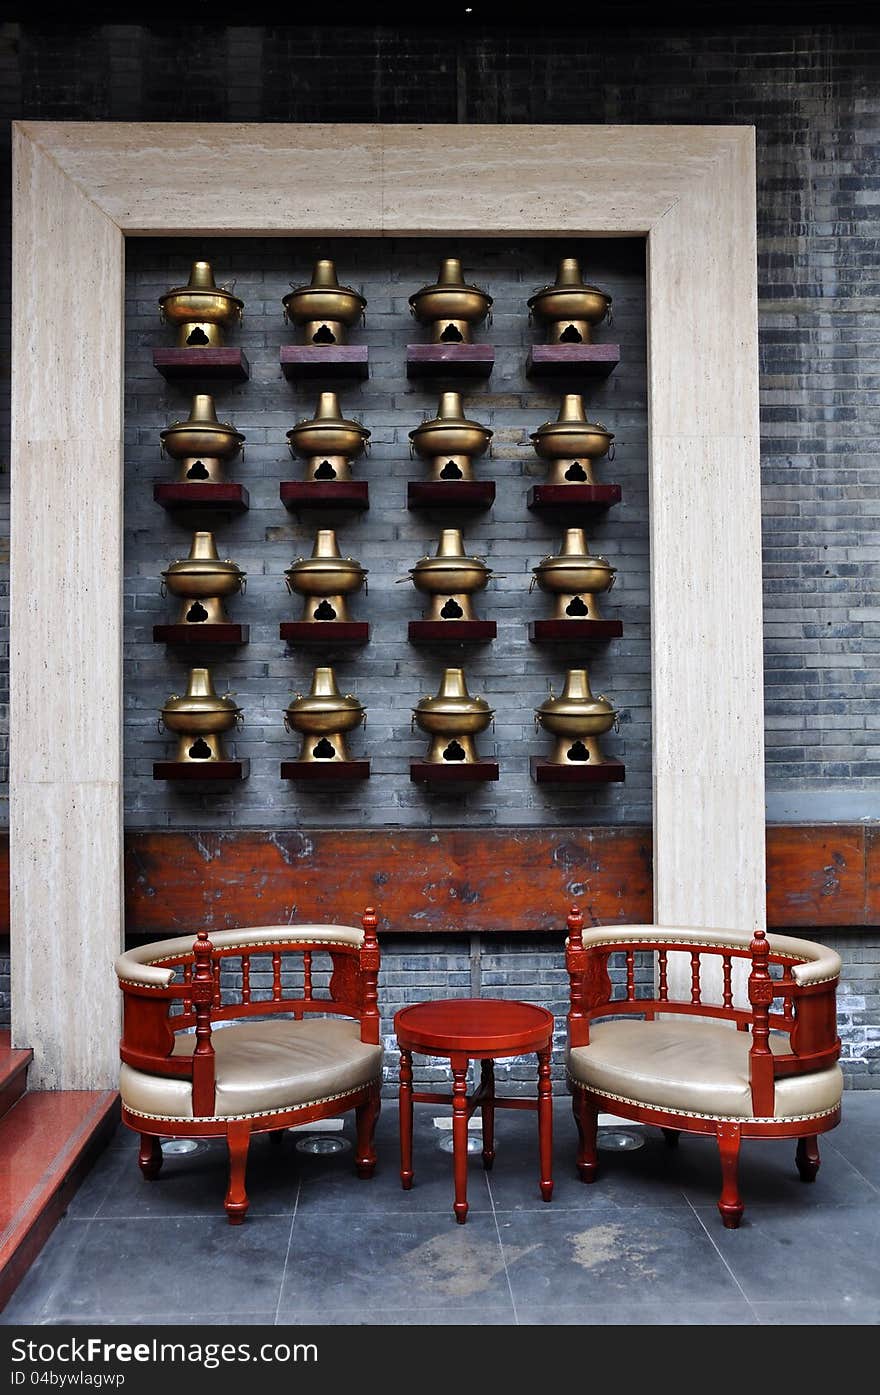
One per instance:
[(322, 1143), (619, 1140)]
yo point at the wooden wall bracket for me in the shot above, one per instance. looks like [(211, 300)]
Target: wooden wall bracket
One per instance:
[(195, 770), (325, 632), (325, 494), (449, 360), (572, 360), (548, 772), (210, 498), (328, 772), (429, 772), (202, 365), (201, 634), (565, 631), (451, 631), (303, 362), (553, 497)]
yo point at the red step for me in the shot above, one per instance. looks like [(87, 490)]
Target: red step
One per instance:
[(48, 1142), (13, 1073)]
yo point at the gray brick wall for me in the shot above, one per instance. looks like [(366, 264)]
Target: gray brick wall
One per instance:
[(389, 675)]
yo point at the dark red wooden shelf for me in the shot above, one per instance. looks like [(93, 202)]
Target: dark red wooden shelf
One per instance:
[(449, 360), (201, 770), (299, 361), (327, 632), (222, 498), (325, 494), (325, 771), (450, 494), (201, 634), (547, 772), (451, 631), (573, 496), (572, 360), (430, 772), (183, 365), (566, 631)]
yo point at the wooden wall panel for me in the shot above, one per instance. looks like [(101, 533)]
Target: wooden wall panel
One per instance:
[(816, 876), (421, 880), (442, 880)]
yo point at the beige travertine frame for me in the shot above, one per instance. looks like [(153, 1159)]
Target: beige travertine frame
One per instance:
[(80, 190)]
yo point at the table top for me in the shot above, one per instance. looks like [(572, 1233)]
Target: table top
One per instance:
[(475, 1026)]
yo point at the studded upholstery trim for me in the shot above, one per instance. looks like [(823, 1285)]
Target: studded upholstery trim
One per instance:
[(262, 1114), (693, 1114)]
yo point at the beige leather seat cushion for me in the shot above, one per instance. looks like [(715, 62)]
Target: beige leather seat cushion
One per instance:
[(262, 1066), (695, 1067)]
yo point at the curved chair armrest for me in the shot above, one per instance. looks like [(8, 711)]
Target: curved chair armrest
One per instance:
[(144, 965), (817, 963)]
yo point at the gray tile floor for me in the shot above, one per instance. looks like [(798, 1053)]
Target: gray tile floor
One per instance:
[(645, 1244)]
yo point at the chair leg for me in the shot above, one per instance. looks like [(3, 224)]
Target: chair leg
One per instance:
[(366, 1115), (807, 1158), (238, 1137), (672, 1136), (730, 1203), (150, 1156), (586, 1116)]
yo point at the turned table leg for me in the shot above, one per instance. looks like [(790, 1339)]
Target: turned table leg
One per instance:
[(405, 1094), (460, 1137), (545, 1124), (487, 1083), (150, 1156)]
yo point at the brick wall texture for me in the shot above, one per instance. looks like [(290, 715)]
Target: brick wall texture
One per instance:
[(811, 93), (390, 674)]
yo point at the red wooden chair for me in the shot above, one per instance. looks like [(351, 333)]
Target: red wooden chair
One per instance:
[(766, 1070), (271, 1067)]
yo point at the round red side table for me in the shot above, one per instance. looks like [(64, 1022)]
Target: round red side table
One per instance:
[(482, 1029)]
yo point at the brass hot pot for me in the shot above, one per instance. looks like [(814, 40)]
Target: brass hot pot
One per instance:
[(574, 577), (450, 441), (570, 308), (450, 578), (328, 441), (324, 718), (201, 310), (202, 444), (203, 582), (450, 306), (452, 719), (324, 310), (576, 718), (199, 719), (571, 443), (325, 579)]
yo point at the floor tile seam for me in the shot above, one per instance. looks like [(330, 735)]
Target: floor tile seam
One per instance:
[(45, 1311), (183, 1216), (714, 1243), (287, 1251), (856, 1169), (516, 1321), (790, 1210)]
